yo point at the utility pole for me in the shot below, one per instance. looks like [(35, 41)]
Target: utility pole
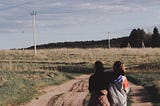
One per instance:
[(109, 41), (22, 40), (33, 14)]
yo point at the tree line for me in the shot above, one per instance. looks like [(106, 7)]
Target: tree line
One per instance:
[(138, 38)]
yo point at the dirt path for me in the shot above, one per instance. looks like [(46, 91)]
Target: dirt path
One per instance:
[(139, 96), (72, 93)]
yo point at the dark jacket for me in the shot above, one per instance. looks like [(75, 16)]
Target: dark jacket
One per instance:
[(98, 82)]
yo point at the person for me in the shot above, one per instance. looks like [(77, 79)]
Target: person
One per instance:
[(98, 86), (121, 84)]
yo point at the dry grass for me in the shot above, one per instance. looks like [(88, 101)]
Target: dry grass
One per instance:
[(25, 60), (22, 71)]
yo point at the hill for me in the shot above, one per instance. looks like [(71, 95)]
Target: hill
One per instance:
[(116, 42), (138, 38)]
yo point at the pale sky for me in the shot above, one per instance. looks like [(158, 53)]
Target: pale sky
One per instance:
[(73, 20)]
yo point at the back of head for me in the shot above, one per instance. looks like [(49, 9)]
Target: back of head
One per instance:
[(117, 68), (98, 67)]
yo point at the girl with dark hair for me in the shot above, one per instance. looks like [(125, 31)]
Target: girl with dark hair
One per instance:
[(121, 84), (118, 68), (98, 87)]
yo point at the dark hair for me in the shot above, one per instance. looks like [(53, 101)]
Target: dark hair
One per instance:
[(98, 66), (117, 68)]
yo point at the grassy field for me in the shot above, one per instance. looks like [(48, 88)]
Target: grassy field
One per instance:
[(22, 73), (150, 80)]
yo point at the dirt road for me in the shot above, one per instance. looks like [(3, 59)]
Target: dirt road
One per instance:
[(73, 92), (139, 96)]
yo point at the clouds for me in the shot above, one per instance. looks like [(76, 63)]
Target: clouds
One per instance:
[(111, 7), (137, 2), (67, 12), (75, 16), (82, 13)]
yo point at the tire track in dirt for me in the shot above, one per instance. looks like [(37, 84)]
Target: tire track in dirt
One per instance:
[(74, 97), (71, 93)]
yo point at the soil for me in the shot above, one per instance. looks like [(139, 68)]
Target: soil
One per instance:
[(139, 96), (73, 92)]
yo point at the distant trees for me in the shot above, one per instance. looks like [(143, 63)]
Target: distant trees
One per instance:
[(148, 40), (136, 38), (155, 38)]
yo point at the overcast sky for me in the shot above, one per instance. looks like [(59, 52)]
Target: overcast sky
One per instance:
[(73, 20)]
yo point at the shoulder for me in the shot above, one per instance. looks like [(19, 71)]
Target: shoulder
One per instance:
[(109, 75), (124, 78)]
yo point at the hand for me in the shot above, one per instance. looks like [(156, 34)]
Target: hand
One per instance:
[(103, 92)]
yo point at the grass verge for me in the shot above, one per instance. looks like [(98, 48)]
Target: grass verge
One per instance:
[(150, 80), (17, 87)]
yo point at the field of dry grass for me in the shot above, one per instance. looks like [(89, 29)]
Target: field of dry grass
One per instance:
[(22, 73), (25, 60)]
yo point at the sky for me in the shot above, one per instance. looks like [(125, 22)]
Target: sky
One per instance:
[(73, 20)]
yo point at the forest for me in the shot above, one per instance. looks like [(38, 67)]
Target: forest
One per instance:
[(137, 38)]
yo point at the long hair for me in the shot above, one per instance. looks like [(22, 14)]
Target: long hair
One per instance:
[(98, 67), (117, 68)]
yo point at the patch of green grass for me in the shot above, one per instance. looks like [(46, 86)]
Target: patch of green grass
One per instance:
[(19, 87), (148, 80), (16, 91)]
